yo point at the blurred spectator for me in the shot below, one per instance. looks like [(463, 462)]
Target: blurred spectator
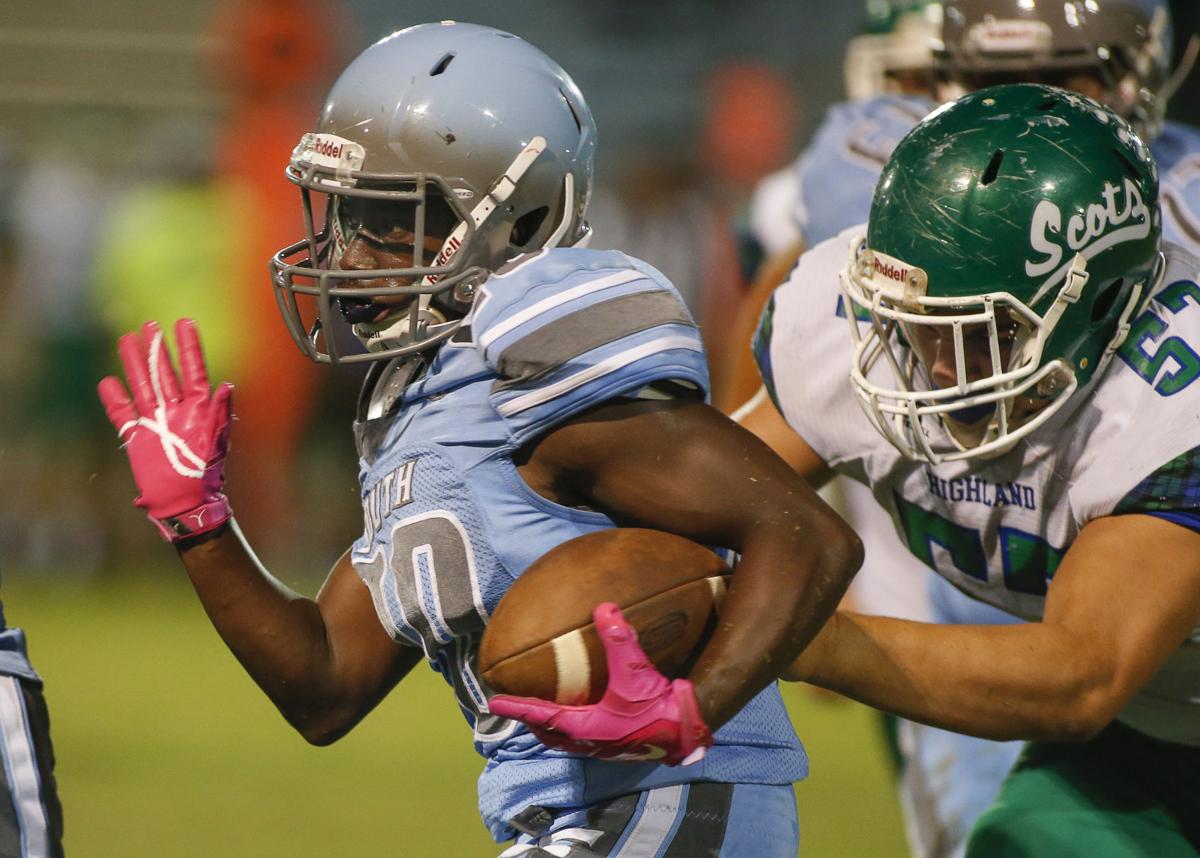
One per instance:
[(172, 245), (195, 226), (49, 354)]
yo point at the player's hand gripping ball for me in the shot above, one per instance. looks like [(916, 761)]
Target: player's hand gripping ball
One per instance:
[(643, 716), (174, 429), (593, 683)]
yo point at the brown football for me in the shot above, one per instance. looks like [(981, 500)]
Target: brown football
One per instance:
[(541, 641)]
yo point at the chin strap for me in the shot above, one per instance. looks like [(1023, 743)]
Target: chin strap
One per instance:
[(1139, 291), (419, 321)]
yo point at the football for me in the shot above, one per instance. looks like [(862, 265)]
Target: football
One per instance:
[(541, 641)]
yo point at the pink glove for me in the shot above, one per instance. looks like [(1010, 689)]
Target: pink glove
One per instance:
[(175, 437), (642, 716)]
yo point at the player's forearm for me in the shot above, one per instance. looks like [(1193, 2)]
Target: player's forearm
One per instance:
[(277, 635), (1029, 681), (784, 590)]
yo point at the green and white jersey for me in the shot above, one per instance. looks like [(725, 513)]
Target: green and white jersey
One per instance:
[(998, 528)]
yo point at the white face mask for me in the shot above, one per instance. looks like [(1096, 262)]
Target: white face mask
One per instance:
[(968, 379)]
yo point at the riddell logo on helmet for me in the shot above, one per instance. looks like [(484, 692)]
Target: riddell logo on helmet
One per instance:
[(453, 243), (328, 148), (891, 271), (1011, 36)]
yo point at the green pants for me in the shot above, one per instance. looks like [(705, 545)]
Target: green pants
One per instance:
[(1120, 795)]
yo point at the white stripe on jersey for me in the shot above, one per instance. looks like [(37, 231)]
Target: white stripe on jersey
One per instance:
[(20, 766), (608, 365), (657, 821), (532, 312), (558, 844)]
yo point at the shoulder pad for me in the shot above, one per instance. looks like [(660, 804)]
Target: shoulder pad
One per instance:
[(567, 329)]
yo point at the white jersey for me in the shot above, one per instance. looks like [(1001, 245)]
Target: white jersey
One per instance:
[(997, 529)]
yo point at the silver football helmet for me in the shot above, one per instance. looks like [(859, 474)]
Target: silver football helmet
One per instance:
[(1124, 45), (453, 147)]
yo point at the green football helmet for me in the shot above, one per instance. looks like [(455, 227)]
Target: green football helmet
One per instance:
[(1012, 235)]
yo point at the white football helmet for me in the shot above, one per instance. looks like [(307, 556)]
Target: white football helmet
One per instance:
[(894, 53)]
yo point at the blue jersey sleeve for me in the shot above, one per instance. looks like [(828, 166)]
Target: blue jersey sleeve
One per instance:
[(836, 175), (567, 329), (1177, 153)]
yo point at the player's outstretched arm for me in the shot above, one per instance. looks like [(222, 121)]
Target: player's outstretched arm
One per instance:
[(1125, 596), (326, 662), (681, 466)]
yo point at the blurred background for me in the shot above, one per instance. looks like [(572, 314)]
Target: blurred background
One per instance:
[(142, 147)]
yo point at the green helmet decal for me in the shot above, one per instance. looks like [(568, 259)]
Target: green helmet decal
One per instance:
[(1024, 205)]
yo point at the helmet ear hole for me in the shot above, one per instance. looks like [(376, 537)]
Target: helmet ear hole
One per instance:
[(1106, 300), (993, 168), (527, 226)]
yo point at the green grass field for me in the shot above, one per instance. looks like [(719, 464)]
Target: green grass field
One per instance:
[(167, 749)]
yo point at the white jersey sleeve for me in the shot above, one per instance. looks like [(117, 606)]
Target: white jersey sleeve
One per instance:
[(1145, 411), (803, 349)]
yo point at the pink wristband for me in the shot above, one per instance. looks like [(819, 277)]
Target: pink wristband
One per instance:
[(202, 519)]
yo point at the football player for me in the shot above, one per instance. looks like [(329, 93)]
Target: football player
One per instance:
[(889, 81), (523, 390), (1118, 51), (31, 819), (1022, 343)]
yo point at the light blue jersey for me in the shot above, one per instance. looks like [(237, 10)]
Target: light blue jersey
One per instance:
[(829, 187), (13, 659), (837, 173), (449, 523), (1177, 153)]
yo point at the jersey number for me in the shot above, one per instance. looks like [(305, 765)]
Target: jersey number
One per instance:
[(431, 593), (1029, 561), (1172, 352)]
